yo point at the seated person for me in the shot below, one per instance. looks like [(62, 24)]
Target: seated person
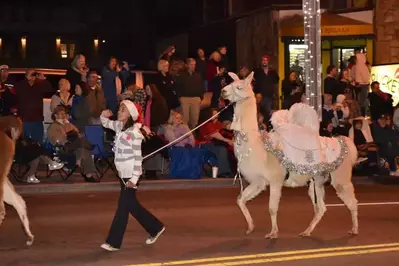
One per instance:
[(326, 129), (261, 123), (340, 117), (64, 134), (361, 135), (80, 110), (134, 93), (30, 153), (63, 97), (177, 128), (228, 113), (387, 143), (210, 134)]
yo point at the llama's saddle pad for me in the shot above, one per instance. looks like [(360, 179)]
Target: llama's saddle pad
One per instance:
[(301, 146)]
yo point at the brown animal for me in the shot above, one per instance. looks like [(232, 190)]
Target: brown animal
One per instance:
[(11, 125)]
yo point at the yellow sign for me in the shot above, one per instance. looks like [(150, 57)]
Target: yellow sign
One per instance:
[(340, 30), (388, 77)]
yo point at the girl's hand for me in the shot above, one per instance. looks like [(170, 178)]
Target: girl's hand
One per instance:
[(130, 184), (106, 113)]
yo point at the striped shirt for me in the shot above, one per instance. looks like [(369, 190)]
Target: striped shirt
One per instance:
[(128, 158)]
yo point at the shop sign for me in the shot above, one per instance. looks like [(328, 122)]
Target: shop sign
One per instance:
[(332, 31), (388, 77)]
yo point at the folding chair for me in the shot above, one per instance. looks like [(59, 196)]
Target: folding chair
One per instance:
[(18, 170), (66, 158), (95, 135)]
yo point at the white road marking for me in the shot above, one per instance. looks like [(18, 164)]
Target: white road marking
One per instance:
[(365, 204)]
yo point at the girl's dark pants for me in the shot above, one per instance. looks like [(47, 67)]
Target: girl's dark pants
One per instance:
[(128, 203)]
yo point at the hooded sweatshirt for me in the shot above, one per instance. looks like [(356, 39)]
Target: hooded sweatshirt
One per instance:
[(361, 70)]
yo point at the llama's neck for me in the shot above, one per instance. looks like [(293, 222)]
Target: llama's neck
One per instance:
[(245, 116)]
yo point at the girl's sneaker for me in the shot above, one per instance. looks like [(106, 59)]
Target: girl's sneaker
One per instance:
[(55, 166), (108, 247), (152, 239), (361, 159)]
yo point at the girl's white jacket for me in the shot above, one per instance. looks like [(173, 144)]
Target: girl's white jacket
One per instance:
[(128, 158)]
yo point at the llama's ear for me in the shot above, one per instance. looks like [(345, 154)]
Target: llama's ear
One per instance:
[(249, 79), (234, 76)]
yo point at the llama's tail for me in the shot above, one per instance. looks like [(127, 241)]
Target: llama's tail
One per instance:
[(6, 157), (352, 150)]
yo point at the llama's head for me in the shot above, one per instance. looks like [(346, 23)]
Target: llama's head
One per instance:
[(238, 89)]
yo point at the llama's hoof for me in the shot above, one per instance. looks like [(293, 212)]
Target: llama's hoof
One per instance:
[(249, 230), (30, 240), (353, 231), (305, 234), (272, 235)]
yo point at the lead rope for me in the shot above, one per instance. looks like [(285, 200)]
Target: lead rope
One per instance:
[(181, 137), (238, 174)]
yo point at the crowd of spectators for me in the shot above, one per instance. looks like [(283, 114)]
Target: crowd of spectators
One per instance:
[(171, 105)]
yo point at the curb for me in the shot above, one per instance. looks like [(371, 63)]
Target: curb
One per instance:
[(148, 185), (29, 189)]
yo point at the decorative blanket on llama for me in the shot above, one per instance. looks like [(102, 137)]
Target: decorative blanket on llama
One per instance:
[(300, 149)]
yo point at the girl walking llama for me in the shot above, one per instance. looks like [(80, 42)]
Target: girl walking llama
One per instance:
[(128, 162)]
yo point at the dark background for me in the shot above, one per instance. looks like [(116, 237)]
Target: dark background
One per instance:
[(133, 30)]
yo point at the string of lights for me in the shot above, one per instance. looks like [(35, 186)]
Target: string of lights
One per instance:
[(312, 66)]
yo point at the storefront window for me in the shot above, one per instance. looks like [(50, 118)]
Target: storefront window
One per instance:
[(297, 59)]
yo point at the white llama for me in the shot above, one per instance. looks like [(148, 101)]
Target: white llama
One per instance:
[(260, 166), (8, 194)]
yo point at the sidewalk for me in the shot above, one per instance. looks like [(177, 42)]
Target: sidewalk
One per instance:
[(109, 182)]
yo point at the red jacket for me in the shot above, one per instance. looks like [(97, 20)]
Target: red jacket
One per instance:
[(30, 99)]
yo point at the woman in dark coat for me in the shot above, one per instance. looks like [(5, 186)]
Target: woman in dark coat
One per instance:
[(290, 86), (78, 71), (166, 85), (80, 110), (158, 108)]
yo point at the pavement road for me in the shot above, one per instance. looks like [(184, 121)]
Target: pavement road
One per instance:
[(205, 227)]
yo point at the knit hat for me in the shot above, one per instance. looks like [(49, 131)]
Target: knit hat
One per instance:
[(133, 109), (266, 56)]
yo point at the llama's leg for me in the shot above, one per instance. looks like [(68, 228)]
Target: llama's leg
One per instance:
[(316, 194), (12, 198), (274, 201), (250, 192), (341, 180), (347, 194)]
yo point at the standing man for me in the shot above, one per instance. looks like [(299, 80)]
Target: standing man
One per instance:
[(266, 81), (332, 85), (190, 89), (8, 97), (30, 94), (95, 98)]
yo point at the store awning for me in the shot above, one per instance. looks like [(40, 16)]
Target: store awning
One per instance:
[(331, 25)]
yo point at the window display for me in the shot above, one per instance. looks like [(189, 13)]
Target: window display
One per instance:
[(297, 59)]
